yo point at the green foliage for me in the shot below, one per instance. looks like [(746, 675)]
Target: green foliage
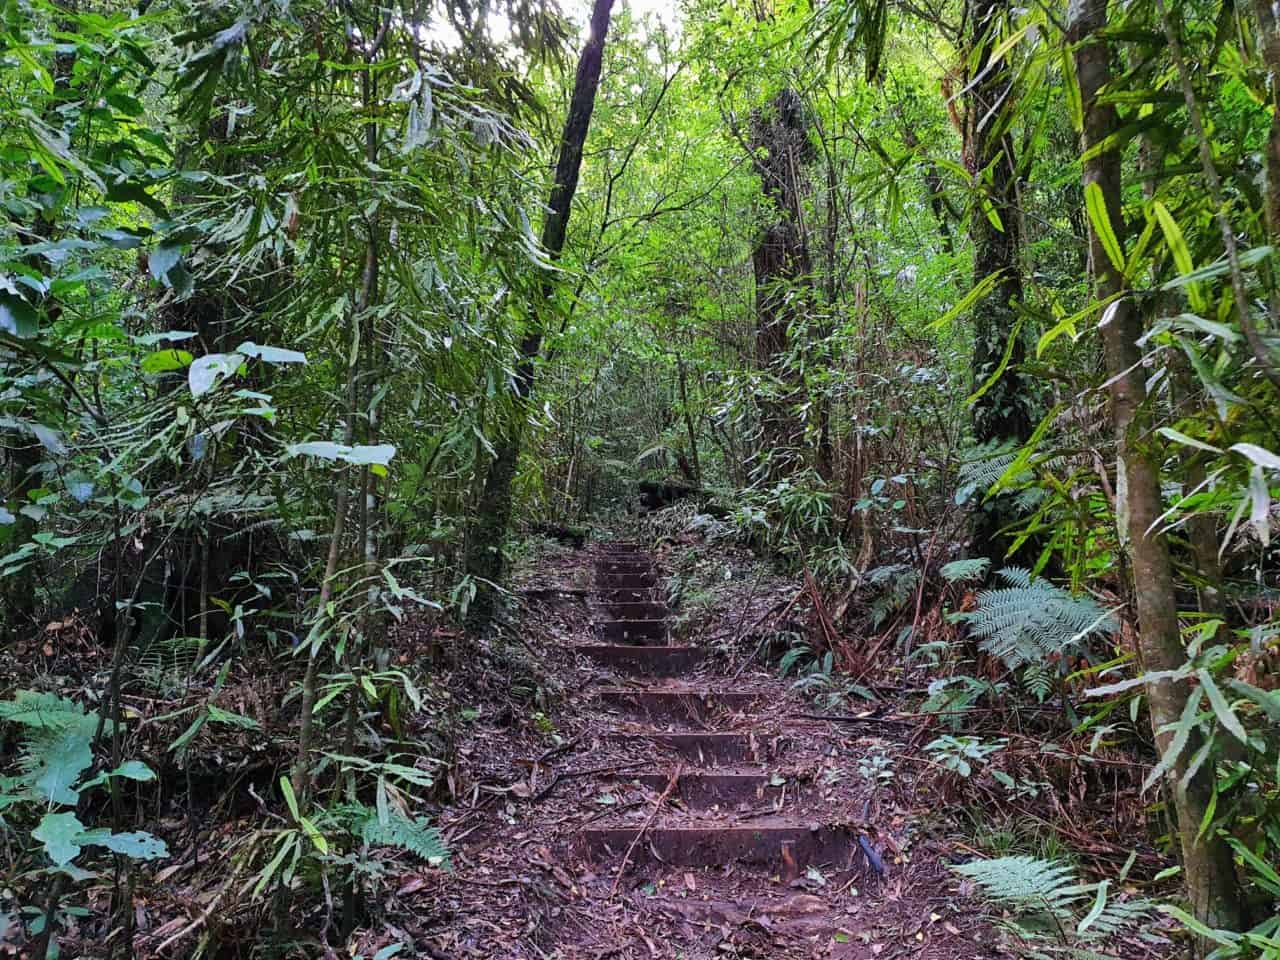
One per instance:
[(1051, 910), (1031, 620), (412, 835)]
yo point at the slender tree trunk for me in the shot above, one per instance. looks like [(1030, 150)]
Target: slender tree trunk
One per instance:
[(487, 531), (1005, 411), (1207, 863), (688, 423), (781, 262)]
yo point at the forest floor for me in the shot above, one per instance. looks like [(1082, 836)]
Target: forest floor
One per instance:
[(534, 769), (535, 874)]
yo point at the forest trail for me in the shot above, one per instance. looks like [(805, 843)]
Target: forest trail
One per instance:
[(699, 810)]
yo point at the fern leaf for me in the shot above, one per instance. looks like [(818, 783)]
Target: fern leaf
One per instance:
[(413, 836), (974, 568)]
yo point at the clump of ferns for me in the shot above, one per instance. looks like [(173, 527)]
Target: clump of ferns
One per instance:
[(1053, 913)]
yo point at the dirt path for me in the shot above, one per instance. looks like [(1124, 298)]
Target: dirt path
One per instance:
[(693, 813)]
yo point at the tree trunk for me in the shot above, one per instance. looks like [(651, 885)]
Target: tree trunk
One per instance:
[(1005, 411), (487, 530), (780, 261), (1207, 863)]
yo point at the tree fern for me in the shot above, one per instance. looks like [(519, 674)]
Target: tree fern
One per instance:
[(1029, 620)]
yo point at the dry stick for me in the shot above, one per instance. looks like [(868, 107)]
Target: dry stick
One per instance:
[(763, 640), (645, 829), (571, 774)]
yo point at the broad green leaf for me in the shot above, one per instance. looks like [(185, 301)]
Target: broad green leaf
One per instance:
[(377, 453), (984, 287), (205, 371), (1178, 437), (17, 317), (1099, 904), (1096, 205), (60, 833), (1259, 455), (1181, 735), (998, 372), (313, 832), (60, 762), (271, 354), (1260, 499), (318, 448), (163, 361), (286, 788), (1268, 700), (163, 259), (138, 845), (1220, 706), (1071, 87), (1181, 252)]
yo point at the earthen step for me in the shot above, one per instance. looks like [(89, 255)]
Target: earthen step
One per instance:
[(704, 749), (631, 631), (624, 566), (639, 610), (647, 661), (626, 581), (676, 704), (701, 791), (761, 843), (608, 595)]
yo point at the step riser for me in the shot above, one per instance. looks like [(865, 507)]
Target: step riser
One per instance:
[(644, 661), (701, 791), (675, 706), (626, 581), (702, 749), (632, 631), (617, 595), (835, 848), (639, 610), (614, 565)]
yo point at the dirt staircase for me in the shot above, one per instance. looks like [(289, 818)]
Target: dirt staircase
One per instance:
[(722, 800)]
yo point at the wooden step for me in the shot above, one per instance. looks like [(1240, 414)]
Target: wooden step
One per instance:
[(676, 704), (627, 581), (639, 610), (611, 595), (774, 843), (702, 790), (631, 631), (703, 749), (645, 661)]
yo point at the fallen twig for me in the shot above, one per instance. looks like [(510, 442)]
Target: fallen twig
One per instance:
[(570, 774), (671, 784)]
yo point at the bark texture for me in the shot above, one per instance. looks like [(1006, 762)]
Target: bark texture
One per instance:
[(1207, 864), (781, 261)]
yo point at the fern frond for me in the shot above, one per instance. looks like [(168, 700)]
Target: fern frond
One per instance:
[(45, 711), (974, 568), (1029, 620), (1035, 887), (413, 836), (1026, 883)]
